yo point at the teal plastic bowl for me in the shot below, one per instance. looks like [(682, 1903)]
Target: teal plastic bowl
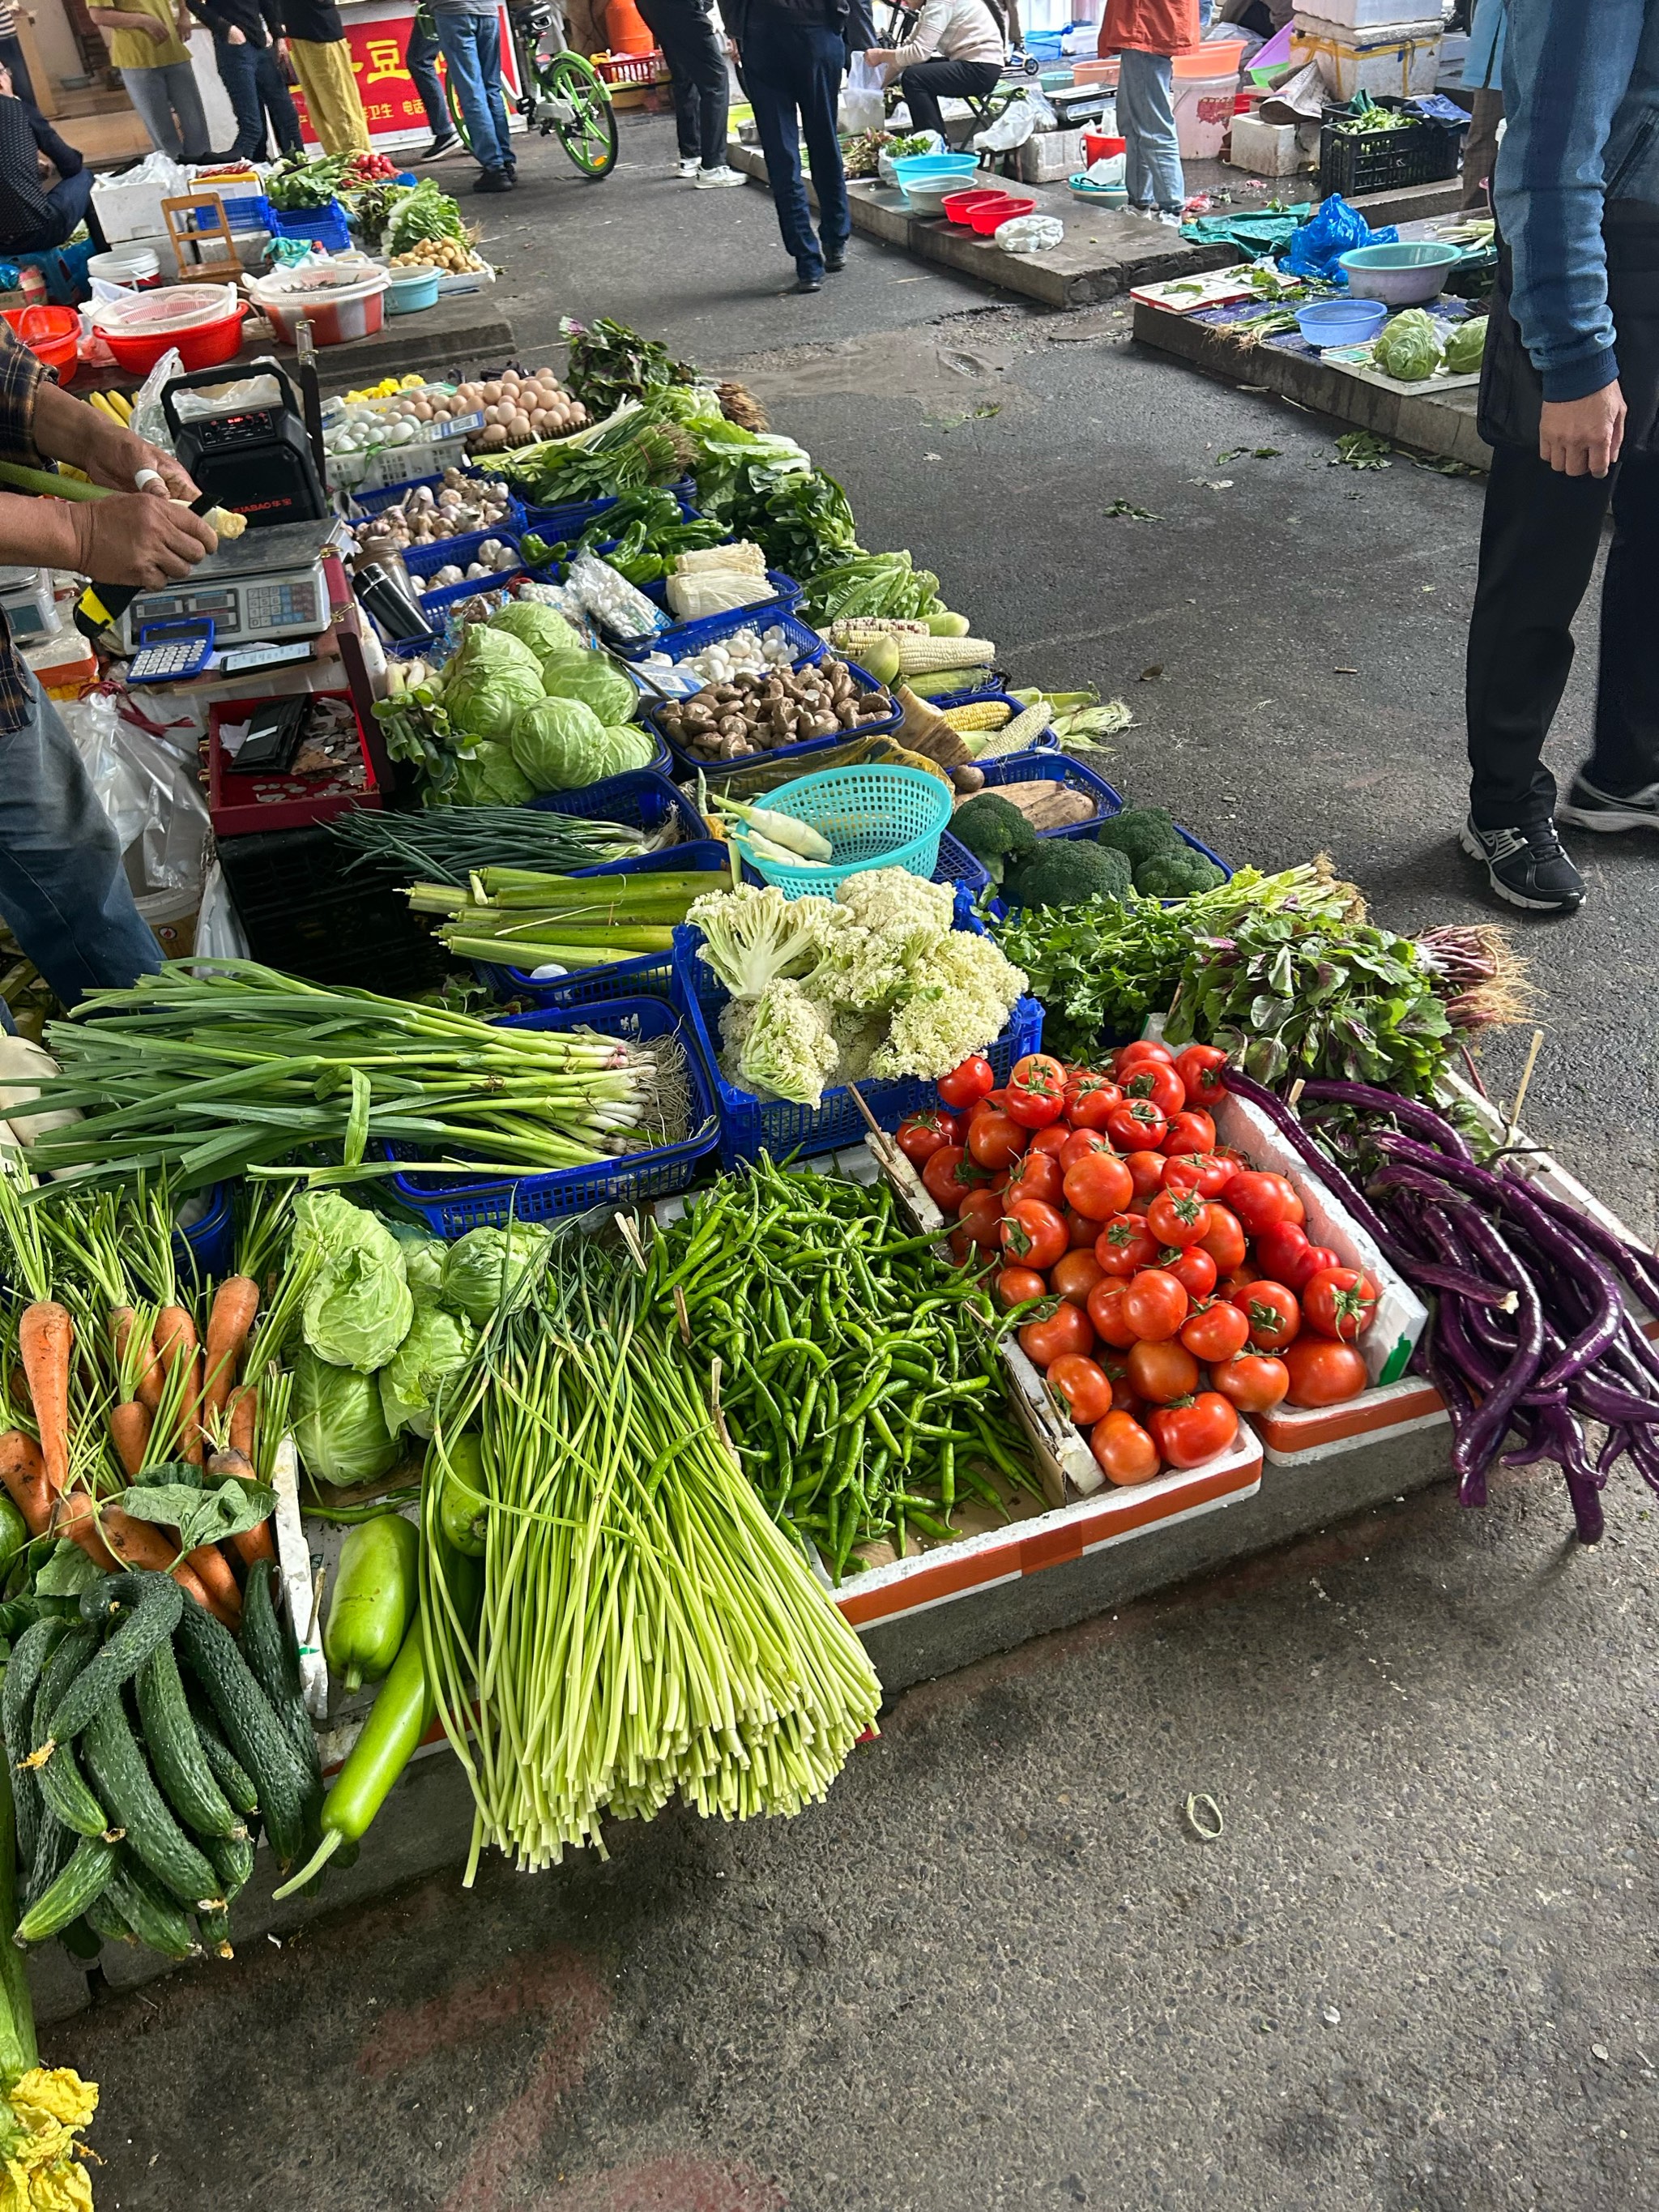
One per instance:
[(874, 816), (1401, 276)]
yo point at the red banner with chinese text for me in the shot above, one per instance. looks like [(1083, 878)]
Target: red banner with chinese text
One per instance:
[(391, 105)]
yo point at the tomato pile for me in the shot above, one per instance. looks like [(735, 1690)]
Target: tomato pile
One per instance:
[(370, 169), (1171, 1284)]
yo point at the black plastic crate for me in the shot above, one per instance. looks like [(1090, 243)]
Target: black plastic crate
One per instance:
[(1415, 152), (303, 913)]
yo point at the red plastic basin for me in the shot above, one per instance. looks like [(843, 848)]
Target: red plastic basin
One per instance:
[(51, 333), (203, 346), (959, 206), (992, 214)]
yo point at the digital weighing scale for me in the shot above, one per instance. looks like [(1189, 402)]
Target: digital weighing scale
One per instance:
[(267, 585)]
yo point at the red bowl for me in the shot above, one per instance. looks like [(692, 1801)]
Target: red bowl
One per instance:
[(53, 334), (992, 215), (959, 206), (204, 347)]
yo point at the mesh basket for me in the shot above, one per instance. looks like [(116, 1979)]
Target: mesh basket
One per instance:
[(874, 818)]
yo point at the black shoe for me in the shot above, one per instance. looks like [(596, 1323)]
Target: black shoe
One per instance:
[(808, 285), (835, 262), (439, 148), (512, 169), (1588, 807), (1527, 867), (492, 181)]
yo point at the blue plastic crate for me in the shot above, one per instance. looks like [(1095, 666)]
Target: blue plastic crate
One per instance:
[(648, 976), (1070, 774), (748, 1127), (209, 1245), (451, 1203), (324, 226), (641, 799), (712, 630), (247, 212), (424, 560), (688, 763), (366, 503)]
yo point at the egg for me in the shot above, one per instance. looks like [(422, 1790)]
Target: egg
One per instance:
[(492, 393)]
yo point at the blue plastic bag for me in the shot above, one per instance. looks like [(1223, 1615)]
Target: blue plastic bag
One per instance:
[(1317, 247)]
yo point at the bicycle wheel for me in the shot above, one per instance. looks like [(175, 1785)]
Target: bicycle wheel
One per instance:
[(573, 101), (453, 101)]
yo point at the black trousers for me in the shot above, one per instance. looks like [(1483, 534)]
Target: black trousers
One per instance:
[(697, 70), (1539, 540), (925, 83)]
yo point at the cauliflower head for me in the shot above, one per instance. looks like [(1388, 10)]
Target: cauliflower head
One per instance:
[(960, 1003), (789, 1050), (751, 935)]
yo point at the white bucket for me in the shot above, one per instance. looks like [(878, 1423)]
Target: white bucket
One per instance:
[(136, 267), (1203, 113)]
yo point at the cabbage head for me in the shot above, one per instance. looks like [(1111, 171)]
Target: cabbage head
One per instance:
[(595, 679), (488, 1267), (1408, 348), (491, 778), (358, 1309), (543, 628), (491, 677), (1466, 345), (339, 1425), (423, 1267), (556, 744), (439, 1345)]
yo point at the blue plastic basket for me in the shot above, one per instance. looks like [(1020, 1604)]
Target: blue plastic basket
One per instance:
[(209, 1245), (875, 816), (324, 226), (1068, 773), (956, 864), (450, 1204), (712, 630), (641, 799), (365, 504), (749, 1126), (247, 212), (688, 762), (424, 560), (648, 976)]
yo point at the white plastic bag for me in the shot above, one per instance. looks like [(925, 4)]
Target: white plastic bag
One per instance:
[(1030, 233), (148, 420), (150, 794), (863, 105), (1016, 123), (219, 932)]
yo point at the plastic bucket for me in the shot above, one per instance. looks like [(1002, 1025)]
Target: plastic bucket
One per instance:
[(1216, 58), (53, 335), (204, 321), (411, 290), (137, 268), (337, 312), (1203, 113)]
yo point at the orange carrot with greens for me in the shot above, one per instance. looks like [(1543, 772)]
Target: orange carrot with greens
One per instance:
[(115, 1540), (176, 1345), (147, 1382), (212, 1569), (235, 1303), (252, 1545), (45, 1337), (244, 1412), (129, 1427), (23, 1472)]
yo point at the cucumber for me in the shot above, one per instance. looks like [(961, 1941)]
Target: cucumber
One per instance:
[(52, 1855), (126, 1784), (232, 1862), (232, 1776), (63, 1786), (86, 1875), (256, 1735), (275, 1665), (151, 1617), (175, 1751), (152, 1919), (214, 1929), (105, 1922), (28, 1655)]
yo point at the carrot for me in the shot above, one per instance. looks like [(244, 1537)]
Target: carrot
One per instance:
[(24, 1474), (147, 1383), (45, 1337), (235, 1304), (115, 1540), (211, 1568), (129, 1427), (244, 1412), (176, 1340), (252, 1545)]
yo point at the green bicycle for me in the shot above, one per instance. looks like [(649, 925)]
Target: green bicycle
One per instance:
[(560, 92)]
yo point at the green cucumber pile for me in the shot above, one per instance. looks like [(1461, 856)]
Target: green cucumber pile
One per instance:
[(148, 1746)]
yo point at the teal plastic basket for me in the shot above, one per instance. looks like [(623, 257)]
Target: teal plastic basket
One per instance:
[(875, 816)]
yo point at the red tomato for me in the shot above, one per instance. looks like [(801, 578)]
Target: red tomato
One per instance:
[(967, 1084), (1148, 1170), (979, 1219), (1130, 1055), (1153, 1080), (1154, 1305), (1037, 1091), (1323, 1372), (1224, 1240), (1254, 1381), (1037, 1175), (1079, 1145), (1088, 1099), (1067, 1330), (1125, 1245), (1193, 1268), (1309, 1264), (1125, 1399), (1161, 1372), (1199, 1171), (1273, 1312), (1099, 1185), (1034, 1233), (950, 1175), (1339, 1301), (1187, 1435), (1125, 1452), (1258, 1198), (1051, 1140), (962, 1248), (1200, 1069), (1084, 1231), (1215, 1332), (1106, 1312), (1017, 1287), (922, 1135), (1178, 1218), (1190, 1132), (996, 1141), (1278, 1248), (1240, 1279), (1087, 1391), (1136, 1124), (1074, 1275)]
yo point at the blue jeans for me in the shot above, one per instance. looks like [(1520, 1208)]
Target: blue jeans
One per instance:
[(1146, 118), (472, 48), (71, 202), (63, 888), (255, 87), (170, 108), (420, 54), (793, 73)]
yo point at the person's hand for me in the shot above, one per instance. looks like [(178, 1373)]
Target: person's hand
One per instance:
[(113, 457), (1582, 437), (139, 539), (880, 57), (234, 37), (160, 33)]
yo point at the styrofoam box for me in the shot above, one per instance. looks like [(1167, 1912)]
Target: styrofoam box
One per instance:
[(1266, 149), (1401, 58), (1048, 155), (1368, 15), (130, 211)]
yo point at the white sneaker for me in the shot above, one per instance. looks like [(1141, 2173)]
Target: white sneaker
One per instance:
[(1170, 217), (709, 180), (686, 168)]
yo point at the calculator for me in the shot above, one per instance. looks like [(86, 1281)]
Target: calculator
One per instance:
[(169, 652)]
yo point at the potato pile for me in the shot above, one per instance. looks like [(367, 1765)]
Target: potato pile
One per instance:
[(520, 411), (424, 516), (449, 254), (757, 714)]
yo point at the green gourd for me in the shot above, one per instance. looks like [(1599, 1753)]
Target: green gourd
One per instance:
[(372, 1600)]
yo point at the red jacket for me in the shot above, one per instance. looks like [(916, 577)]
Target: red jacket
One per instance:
[(1153, 27)]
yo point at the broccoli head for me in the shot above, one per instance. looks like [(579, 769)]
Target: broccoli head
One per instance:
[(996, 833), (1179, 874), (1140, 831), (1066, 871)]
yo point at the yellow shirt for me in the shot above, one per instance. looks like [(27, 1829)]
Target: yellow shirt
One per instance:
[(136, 48)]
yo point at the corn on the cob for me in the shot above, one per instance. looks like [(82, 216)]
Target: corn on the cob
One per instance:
[(978, 715), (918, 655), (1018, 736), (850, 629)]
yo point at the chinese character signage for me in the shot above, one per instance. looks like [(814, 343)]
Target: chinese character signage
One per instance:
[(391, 105)]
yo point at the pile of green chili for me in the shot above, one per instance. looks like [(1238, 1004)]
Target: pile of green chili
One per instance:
[(858, 1375)]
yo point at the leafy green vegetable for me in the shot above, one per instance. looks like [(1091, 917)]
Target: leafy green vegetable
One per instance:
[(595, 679), (1408, 348), (562, 745), (609, 363), (1466, 345), (489, 776), (358, 1308), (201, 1513), (490, 682), (885, 584), (488, 1267), (338, 1423), (420, 212), (543, 628), (301, 182), (438, 1345)]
